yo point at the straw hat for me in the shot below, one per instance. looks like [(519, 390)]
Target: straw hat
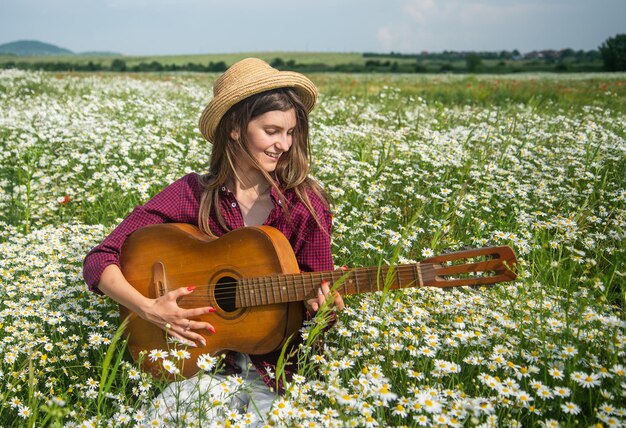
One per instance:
[(248, 77)]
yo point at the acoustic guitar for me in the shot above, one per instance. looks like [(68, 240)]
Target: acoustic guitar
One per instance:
[(251, 277)]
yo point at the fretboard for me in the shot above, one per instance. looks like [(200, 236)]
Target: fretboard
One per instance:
[(287, 288)]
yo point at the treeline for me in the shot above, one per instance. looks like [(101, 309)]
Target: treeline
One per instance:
[(378, 63), (548, 55), (116, 65)]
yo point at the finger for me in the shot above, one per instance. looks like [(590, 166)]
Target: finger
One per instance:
[(195, 337), (187, 341), (339, 301), (196, 312), (201, 325), (311, 305), (344, 267), (325, 288), (185, 332), (180, 292), (321, 295)]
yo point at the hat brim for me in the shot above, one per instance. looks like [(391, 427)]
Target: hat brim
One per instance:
[(220, 104)]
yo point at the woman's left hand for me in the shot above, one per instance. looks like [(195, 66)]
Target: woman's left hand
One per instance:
[(323, 294)]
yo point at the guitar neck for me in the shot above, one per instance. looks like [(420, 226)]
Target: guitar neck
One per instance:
[(482, 266), (298, 287)]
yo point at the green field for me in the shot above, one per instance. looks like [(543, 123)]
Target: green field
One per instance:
[(321, 61), (329, 58), (416, 165)]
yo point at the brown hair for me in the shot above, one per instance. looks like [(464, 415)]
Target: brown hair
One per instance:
[(292, 170)]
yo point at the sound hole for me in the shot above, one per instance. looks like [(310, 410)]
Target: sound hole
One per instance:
[(225, 293)]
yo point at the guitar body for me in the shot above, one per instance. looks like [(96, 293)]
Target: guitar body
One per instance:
[(160, 258)]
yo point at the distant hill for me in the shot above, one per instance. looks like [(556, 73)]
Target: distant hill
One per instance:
[(32, 48), (37, 48)]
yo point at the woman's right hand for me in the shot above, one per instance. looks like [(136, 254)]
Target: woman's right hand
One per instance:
[(176, 321), (163, 311)]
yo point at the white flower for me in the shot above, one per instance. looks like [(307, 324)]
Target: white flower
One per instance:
[(570, 408)]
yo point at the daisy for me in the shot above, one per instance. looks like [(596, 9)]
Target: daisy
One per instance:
[(24, 411), (586, 380), (570, 408)]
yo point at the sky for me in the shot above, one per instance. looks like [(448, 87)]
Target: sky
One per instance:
[(176, 27)]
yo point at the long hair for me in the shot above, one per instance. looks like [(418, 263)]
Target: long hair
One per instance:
[(292, 169)]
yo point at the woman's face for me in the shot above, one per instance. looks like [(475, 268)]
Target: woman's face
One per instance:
[(270, 136)]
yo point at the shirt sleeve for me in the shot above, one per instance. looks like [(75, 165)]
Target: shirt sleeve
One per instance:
[(178, 203), (313, 251)]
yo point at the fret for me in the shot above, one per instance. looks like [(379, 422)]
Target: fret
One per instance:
[(345, 283), (254, 292), (313, 282), (398, 277), (394, 284), (356, 281), (348, 285), (372, 286), (263, 290), (259, 291), (281, 287), (269, 288), (305, 289), (294, 288), (298, 287), (274, 290), (333, 275), (414, 267), (249, 292), (289, 287)]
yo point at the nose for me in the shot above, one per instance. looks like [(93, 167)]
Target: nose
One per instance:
[(283, 141)]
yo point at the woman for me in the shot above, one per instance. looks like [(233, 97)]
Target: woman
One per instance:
[(257, 122)]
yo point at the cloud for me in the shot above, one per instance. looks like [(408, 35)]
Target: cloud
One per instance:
[(385, 38), (461, 24), (420, 10)]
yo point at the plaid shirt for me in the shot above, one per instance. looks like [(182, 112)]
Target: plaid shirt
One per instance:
[(179, 203)]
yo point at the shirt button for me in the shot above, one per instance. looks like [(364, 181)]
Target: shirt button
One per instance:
[(234, 204), (280, 202), (223, 189)]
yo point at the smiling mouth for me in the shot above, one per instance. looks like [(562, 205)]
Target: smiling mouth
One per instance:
[(273, 155)]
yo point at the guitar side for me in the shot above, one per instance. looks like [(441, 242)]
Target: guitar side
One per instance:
[(160, 258)]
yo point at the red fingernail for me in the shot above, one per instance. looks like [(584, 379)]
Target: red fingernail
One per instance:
[(344, 267), (191, 288), (212, 329), (326, 283), (212, 310)]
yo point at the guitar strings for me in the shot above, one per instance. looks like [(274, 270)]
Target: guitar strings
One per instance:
[(229, 289), (295, 284), (291, 285)]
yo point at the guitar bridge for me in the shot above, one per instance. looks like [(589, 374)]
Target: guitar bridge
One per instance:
[(159, 279)]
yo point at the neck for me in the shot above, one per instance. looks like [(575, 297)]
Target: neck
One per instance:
[(252, 182)]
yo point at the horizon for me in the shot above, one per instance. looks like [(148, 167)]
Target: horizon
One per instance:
[(91, 51)]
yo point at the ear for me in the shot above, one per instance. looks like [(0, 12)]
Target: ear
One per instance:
[(234, 135)]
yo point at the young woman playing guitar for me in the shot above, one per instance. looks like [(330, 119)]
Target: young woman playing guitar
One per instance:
[(258, 125)]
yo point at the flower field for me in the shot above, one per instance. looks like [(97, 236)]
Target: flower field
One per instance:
[(416, 166)]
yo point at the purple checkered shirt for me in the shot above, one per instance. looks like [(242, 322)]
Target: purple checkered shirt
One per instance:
[(179, 203)]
